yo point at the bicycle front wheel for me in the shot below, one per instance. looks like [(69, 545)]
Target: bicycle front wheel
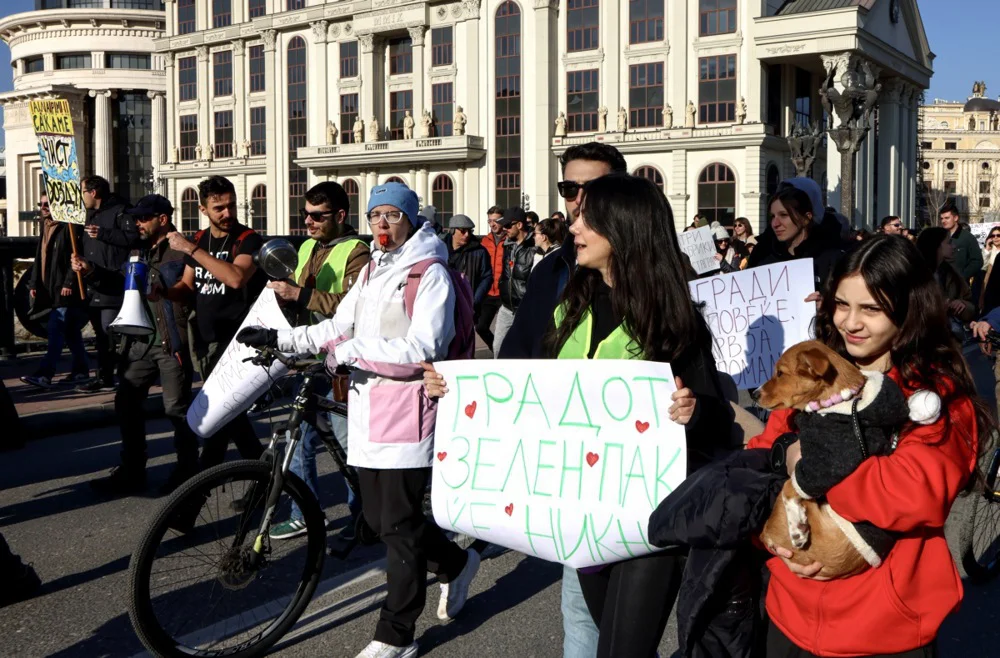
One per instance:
[(199, 592)]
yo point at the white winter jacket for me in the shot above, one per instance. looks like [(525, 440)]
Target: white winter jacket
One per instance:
[(390, 418)]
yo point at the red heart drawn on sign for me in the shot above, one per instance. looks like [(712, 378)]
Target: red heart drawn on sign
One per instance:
[(470, 409), (509, 509), (641, 426), (441, 456), (592, 458)]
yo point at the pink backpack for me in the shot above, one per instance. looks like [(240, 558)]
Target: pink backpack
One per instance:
[(463, 345)]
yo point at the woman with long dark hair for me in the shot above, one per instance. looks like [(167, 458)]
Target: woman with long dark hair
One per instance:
[(935, 246), (743, 232), (883, 311), (549, 235)]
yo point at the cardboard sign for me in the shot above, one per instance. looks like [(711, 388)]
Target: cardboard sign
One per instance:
[(57, 151), (699, 245), (755, 315), (234, 384), (980, 231), (564, 460)]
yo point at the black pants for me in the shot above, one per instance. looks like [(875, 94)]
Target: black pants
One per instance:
[(392, 502), (487, 311), (141, 367), (630, 602), (239, 430), (779, 646), (100, 318)]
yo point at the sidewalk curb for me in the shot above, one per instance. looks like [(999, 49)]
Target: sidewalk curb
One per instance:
[(45, 424)]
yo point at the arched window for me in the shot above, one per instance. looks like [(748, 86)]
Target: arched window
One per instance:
[(508, 105), (189, 211), (353, 197), (717, 194), (296, 131), (396, 179), (772, 178), (258, 206), (651, 173), (443, 198)]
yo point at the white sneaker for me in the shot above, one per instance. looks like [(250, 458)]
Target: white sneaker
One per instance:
[(382, 650), (455, 593)]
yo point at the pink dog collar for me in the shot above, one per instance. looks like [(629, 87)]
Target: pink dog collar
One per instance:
[(841, 396)]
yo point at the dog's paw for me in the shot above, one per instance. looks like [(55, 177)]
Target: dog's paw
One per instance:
[(798, 522)]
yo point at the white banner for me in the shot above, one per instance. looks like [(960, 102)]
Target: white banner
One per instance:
[(234, 384), (699, 245), (561, 459), (755, 315), (980, 231)]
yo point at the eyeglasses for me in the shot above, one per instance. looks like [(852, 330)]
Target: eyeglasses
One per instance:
[(147, 218), (994, 235), (43, 205), (393, 217), (316, 215), (569, 189), (896, 225)]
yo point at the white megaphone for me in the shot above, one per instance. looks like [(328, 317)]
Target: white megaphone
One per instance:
[(133, 318)]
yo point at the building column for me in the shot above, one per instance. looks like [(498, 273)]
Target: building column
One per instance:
[(752, 189), (205, 136), (422, 189), (679, 184), (103, 157), (171, 101), (676, 25), (460, 191), (907, 150), (241, 111), (372, 180), (538, 166), (468, 76), (417, 37), (318, 112), (369, 83), (363, 226), (610, 72), (888, 148), (271, 144), (159, 136)]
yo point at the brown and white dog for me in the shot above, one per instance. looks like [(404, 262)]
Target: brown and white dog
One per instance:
[(845, 416)]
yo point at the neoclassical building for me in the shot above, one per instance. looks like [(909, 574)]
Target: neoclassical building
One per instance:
[(100, 56), (960, 154)]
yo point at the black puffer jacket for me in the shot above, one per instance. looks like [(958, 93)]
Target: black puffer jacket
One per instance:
[(824, 245), (518, 259), (116, 237), (60, 275), (473, 261)]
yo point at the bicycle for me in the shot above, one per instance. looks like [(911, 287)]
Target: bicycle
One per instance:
[(221, 570)]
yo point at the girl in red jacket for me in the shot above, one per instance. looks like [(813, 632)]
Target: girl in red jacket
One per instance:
[(882, 311)]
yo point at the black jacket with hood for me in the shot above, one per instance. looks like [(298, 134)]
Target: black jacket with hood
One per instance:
[(824, 245), (116, 237), (473, 261)]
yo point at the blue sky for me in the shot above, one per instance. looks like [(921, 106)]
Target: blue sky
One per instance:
[(960, 33)]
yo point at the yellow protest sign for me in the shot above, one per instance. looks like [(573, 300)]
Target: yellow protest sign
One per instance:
[(57, 151)]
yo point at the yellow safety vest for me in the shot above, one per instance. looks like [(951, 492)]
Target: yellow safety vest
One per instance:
[(617, 345), (331, 276)]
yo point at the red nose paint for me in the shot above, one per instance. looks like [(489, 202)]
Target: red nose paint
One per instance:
[(383, 240)]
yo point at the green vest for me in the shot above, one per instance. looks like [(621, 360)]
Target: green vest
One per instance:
[(617, 345), (331, 276)]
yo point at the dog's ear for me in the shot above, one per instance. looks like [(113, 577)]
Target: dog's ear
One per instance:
[(815, 363)]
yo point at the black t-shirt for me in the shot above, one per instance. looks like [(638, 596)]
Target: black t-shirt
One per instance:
[(220, 309)]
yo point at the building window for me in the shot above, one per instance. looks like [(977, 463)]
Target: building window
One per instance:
[(950, 146), (353, 199), (803, 97), (718, 17), (34, 64), (652, 174), (189, 211), (443, 109), (256, 8), (583, 22), (984, 187), (349, 59), (441, 46), (645, 21), (949, 166), (508, 105), (258, 81), (258, 130), (348, 115), (296, 4), (185, 16), (400, 56), (187, 78), (189, 136), (136, 61), (645, 95), (76, 61), (717, 89), (717, 194), (582, 100), (773, 102), (950, 187), (400, 102), (258, 208), (133, 144), (224, 134), (297, 136), (222, 13), (771, 180), (926, 145), (222, 73), (443, 198)]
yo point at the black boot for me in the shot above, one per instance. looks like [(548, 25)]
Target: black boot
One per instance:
[(19, 580), (123, 481)]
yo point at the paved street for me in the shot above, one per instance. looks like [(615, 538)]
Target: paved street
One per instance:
[(81, 546)]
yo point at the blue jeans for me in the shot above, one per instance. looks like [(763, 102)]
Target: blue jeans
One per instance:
[(65, 324), (579, 629), (303, 461)]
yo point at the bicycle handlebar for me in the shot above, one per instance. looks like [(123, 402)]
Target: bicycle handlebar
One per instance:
[(268, 355)]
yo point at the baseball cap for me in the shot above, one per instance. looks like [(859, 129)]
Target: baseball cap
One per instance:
[(398, 196), (151, 205), (511, 215)]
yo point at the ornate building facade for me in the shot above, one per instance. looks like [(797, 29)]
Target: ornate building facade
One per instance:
[(100, 56)]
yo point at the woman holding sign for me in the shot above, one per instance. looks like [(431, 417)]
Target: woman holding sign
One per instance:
[(883, 311), (626, 227)]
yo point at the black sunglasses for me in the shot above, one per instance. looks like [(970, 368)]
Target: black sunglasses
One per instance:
[(569, 189), (316, 215)]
